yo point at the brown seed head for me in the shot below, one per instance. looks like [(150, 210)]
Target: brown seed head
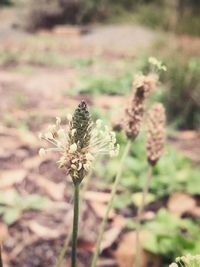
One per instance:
[(156, 121), (142, 87), (133, 117)]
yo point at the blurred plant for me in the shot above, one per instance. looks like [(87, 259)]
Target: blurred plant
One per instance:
[(183, 96), (133, 116), (104, 84), (1, 261), (187, 261), (5, 2), (12, 205), (171, 236), (21, 99), (180, 16), (154, 145), (79, 145)]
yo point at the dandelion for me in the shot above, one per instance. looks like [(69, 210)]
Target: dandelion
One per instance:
[(186, 261), (80, 142), (156, 133)]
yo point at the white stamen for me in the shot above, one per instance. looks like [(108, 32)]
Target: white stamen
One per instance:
[(69, 117), (42, 152), (73, 131), (48, 135), (61, 133), (73, 148), (89, 157), (58, 121)]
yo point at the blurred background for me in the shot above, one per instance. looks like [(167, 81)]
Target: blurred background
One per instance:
[(54, 53)]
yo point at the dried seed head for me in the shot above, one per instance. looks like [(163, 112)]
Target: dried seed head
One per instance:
[(142, 87), (156, 121), (117, 123), (145, 84), (133, 117)]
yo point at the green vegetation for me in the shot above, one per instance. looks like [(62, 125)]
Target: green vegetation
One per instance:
[(163, 183), (5, 2), (178, 16), (104, 84), (171, 237), (182, 96), (13, 205)]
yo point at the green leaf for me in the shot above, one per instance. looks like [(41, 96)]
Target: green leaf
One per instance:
[(151, 244), (11, 215), (137, 198)]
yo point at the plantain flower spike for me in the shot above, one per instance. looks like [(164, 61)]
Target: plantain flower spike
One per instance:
[(186, 261), (155, 142), (80, 142), (142, 87)]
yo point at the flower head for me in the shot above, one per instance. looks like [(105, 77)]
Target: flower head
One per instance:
[(80, 142), (155, 133), (186, 261), (157, 64), (145, 84)]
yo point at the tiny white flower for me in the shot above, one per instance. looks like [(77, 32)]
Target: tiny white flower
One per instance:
[(74, 166), (89, 157), (40, 135), (48, 135), (69, 117), (187, 261), (58, 121), (80, 166), (61, 133), (42, 152), (99, 123), (173, 264), (87, 166), (73, 131), (52, 128), (73, 148)]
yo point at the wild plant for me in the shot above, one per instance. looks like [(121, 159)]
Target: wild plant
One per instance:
[(186, 261), (79, 143), (143, 85)]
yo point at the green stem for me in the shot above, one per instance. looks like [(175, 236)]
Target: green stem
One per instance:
[(75, 224), (139, 215), (1, 261), (64, 248), (114, 188)]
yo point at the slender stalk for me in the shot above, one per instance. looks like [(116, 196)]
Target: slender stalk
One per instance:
[(75, 224), (114, 188), (64, 248), (137, 262), (1, 261)]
